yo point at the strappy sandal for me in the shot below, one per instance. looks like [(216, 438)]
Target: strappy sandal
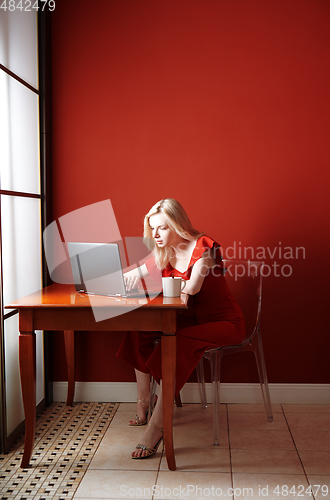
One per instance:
[(140, 421), (150, 451)]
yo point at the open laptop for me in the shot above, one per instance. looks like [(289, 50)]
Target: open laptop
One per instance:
[(97, 270)]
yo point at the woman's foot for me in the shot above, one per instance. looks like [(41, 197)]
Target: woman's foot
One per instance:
[(152, 438), (141, 416)]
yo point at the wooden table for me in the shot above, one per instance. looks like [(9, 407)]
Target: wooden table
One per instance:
[(60, 307)]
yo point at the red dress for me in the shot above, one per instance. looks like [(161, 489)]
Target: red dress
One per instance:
[(214, 319)]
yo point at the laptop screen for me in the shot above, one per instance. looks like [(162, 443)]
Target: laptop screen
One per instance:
[(96, 268)]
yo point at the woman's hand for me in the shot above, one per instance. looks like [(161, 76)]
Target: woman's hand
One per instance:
[(133, 278), (131, 282)]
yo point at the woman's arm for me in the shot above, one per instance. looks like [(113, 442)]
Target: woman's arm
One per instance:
[(200, 269), (132, 277)]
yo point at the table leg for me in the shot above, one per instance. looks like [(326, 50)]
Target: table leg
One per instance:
[(168, 345), (27, 360), (70, 361)]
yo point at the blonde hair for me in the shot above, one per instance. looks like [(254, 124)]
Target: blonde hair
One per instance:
[(177, 220)]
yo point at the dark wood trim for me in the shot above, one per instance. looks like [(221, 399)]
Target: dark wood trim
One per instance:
[(45, 120), (11, 313), (6, 192), (20, 80)]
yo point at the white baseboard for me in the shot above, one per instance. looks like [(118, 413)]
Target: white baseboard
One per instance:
[(121, 392)]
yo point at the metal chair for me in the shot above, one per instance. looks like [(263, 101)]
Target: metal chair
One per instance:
[(244, 279)]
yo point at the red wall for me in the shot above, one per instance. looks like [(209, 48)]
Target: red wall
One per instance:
[(224, 106)]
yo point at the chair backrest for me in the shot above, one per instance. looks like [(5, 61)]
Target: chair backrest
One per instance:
[(244, 279)]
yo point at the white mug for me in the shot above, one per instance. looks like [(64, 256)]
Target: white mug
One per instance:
[(172, 287)]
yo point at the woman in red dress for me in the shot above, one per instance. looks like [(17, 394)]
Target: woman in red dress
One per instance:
[(214, 318)]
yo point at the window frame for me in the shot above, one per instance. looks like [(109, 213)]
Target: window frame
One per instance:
[(44, 119)]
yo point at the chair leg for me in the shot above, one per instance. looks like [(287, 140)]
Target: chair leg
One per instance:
[(261, 366), (201, 382), (215, 360), (178, 401)]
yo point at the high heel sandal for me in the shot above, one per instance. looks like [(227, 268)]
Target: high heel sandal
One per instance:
[(140, 421), (150, 451)]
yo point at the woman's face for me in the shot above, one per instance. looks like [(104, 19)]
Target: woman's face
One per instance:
[(161, 232)]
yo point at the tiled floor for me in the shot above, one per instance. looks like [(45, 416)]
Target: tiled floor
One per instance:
[(289, 458), (65, 443)]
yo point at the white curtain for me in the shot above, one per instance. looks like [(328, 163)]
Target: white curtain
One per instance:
[(19, 173)]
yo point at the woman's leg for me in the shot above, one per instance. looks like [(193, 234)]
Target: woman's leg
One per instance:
[(143, 394), (151, 434)]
